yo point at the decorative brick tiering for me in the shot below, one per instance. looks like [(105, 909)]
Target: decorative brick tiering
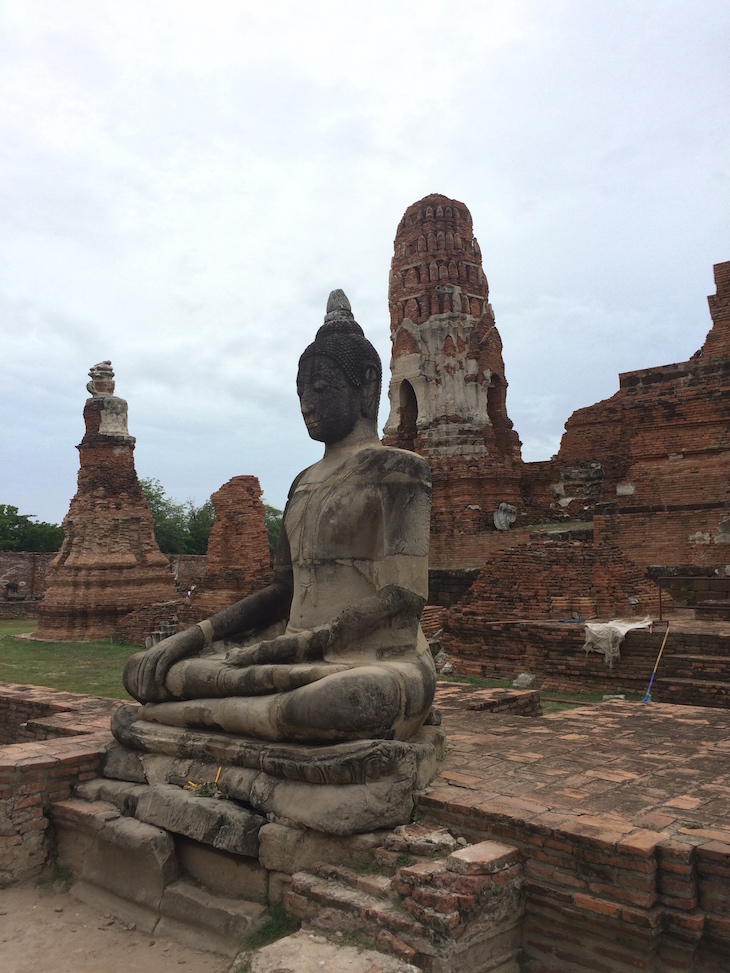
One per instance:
[(68, 733), (109, 563), (448, 388), (445, 908)]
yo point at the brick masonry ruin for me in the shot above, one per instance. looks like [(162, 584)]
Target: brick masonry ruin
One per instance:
[(658, 451), (647, 470), (109, 563), (649, 465)]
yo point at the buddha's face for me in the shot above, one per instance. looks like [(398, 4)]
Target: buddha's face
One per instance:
[(330, 405)]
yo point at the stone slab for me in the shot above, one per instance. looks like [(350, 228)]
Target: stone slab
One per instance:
[(359, 762), (125, 857), (196, 918), (220, 823), (223, 872), (288, 850), (306, 952)]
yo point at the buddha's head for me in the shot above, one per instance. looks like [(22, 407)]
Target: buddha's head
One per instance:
[(339, 376)]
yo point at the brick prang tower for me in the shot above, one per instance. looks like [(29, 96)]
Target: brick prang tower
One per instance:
[(448, 388)]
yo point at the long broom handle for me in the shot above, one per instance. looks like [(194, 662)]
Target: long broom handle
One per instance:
[(658, 658)]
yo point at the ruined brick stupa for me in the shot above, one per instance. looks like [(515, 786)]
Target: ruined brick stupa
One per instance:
[(448, 388), (109, 563), (238, 561)]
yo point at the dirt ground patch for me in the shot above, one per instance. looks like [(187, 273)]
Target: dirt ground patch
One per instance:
[(45, 930)]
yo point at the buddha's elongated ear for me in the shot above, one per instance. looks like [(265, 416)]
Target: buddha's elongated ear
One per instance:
[(370, 392)]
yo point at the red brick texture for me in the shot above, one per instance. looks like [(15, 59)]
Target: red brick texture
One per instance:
[(238, 560), (662, 443), (446, 347), (49, 741)]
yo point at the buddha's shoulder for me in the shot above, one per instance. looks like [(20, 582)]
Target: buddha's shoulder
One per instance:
[(388, 462)]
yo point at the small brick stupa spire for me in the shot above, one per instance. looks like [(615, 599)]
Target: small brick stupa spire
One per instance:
[(109, 563)]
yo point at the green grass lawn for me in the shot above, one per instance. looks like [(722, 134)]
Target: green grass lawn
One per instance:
[(78, 667), (96, 667)]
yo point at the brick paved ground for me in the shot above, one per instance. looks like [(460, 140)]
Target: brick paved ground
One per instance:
[(631, 765)]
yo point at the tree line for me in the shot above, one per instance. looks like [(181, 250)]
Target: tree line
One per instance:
[(180, 528)]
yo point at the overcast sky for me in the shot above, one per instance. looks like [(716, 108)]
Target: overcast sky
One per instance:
[(183, 183)]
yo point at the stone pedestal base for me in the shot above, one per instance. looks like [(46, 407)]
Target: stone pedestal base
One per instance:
[(346, 789)]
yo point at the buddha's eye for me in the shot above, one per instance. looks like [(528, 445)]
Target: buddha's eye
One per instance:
[(320, 386)]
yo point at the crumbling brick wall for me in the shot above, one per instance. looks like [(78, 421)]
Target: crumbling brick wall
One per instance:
[(238, 560), (661, 443), (26, 569)]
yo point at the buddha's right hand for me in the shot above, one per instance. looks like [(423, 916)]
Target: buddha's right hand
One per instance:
[(145, 673)]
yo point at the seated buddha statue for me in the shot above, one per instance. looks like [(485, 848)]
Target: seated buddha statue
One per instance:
[(349, 584)]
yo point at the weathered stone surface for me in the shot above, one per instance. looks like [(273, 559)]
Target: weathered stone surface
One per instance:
[(126, 857), (109, 563), (504, 516), (221, 871), (215, 822), (321, 725), (122, 763), (193, 917), (286, 849), (344, 789), (356, 762), (306, 952), (122, 795), (350, 581)]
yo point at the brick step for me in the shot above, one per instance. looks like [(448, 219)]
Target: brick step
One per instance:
[(692, 692), (376, 885), (459, 910), (333, 906), (699, 656), (709, 670)]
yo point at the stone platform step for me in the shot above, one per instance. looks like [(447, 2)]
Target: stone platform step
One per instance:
[(307, 952), (129, 869), (221, 823)]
